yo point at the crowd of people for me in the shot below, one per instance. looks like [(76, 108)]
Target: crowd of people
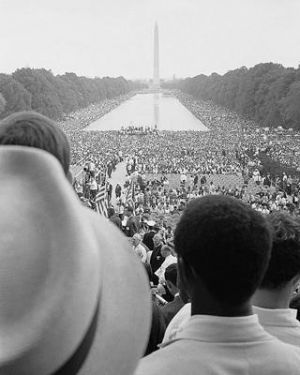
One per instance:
[(87, 145), (174, 167), (221, 281), (167, 170), (137, 130)]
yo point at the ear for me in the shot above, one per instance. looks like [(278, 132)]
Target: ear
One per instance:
[(296, 282), (169, 285), (186, 275)]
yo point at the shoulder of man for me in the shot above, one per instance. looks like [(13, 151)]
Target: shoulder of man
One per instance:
[(170, 310), (169, 359)]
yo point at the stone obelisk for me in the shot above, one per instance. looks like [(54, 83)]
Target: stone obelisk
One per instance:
[(156, 80)]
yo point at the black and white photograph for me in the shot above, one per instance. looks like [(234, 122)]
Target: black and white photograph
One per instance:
[(150, 187)]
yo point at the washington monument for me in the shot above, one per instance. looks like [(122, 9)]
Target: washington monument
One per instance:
[(156, 80)]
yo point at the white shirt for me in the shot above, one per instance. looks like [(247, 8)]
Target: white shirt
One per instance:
[(183, 177), (215, 345), (92, 166), (177, 323), (148, 257), (281, 323), (160, 273), (93, 185)]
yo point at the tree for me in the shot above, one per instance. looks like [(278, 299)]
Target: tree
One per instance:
[(290, 106), (2, 103), (267, 93), (40, 90), (44, 97), (16, 96)]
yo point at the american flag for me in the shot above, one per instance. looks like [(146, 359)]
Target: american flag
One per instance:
[(101, 201), (130, 197), (130, 203)]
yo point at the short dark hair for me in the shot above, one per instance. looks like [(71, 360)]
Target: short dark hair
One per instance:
[(171, 273), (110, 211), (35, 130), (285, 255), (227, 244)]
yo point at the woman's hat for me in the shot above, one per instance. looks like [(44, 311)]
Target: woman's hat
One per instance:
[(151, 223)]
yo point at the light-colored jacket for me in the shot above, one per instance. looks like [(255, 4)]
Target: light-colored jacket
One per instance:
[(281, 323), (212, 345)]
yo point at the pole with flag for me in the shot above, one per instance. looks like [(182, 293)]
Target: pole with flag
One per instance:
[(101, 201), (130, 196)]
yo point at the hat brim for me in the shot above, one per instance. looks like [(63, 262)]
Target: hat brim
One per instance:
[(151, 223), (124, 313)]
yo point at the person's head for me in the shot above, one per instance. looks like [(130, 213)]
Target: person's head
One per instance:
[(157, 240), (165, 251), (136, 239), (35, 130), (223, 247), (110, 211), (156, 227), (170, 243), (130, 211), (284, 265), (150, 224), (171, 278)]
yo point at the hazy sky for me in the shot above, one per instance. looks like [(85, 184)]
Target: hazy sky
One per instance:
[(115, 37)]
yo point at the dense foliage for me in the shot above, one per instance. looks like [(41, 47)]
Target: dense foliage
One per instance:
[(267, 93), (53, 96)]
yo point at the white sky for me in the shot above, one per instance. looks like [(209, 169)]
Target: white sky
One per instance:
[(115, 37)]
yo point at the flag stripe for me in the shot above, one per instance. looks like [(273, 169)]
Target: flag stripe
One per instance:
[(130, 197), (102, 201)]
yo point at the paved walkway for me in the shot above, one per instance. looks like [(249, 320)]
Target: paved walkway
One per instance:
[(118, 177)]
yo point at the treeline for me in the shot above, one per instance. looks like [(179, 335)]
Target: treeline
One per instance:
[(54, 96), (267, 93)]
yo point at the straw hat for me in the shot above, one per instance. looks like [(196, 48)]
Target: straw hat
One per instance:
[(72, 295)]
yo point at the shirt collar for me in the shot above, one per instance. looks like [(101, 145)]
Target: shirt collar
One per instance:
[(277, 317), (170, 257), (208, 328)]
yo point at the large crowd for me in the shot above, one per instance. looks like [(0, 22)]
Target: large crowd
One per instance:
[(171, 168), (216, 293)]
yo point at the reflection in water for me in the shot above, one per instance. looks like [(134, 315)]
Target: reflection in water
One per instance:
[(165, 111), (156, 103)]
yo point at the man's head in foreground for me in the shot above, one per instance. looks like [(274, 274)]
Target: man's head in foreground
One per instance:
[(223, 249), (283, 272), (35, 130)]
